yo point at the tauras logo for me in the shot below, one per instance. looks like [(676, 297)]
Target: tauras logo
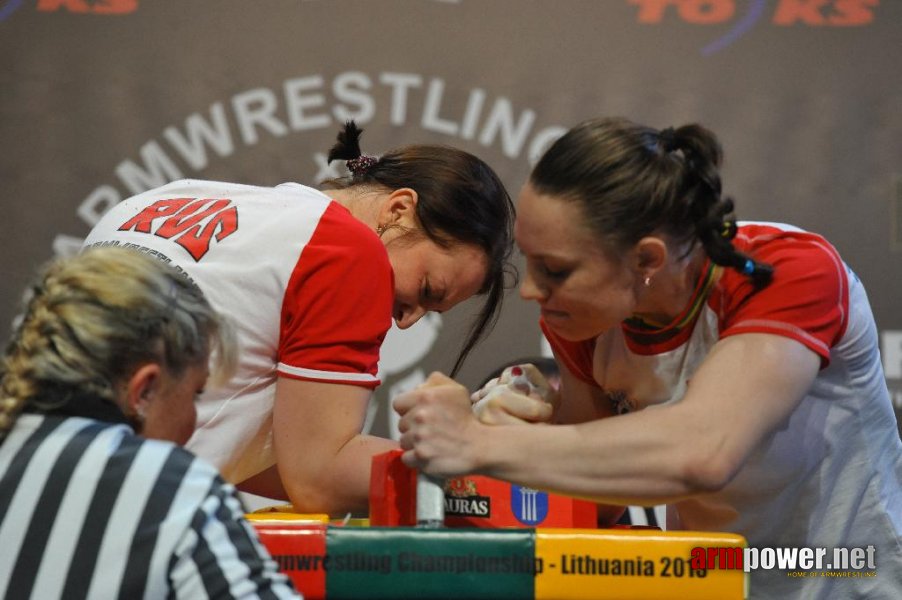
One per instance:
[(476, 506), (462, 499)]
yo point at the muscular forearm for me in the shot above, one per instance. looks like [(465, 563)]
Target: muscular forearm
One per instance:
[(341, 484), (623, 460), (324, 461), (745, 389)]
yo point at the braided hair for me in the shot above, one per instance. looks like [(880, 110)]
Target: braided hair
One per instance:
[(460, 201), (94, 318), (634, 180)]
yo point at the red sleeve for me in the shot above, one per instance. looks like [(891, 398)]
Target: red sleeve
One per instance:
[(576, 356), (807, 300), (338, 305)]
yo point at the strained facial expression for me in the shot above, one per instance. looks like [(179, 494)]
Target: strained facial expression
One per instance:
[(581, 290), (429, 277)]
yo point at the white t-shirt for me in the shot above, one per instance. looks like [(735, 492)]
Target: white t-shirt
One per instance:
[(308, 287)]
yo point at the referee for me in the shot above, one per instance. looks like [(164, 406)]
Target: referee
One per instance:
[(115, 344)]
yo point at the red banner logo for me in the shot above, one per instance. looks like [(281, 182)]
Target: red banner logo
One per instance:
[(97, 7)]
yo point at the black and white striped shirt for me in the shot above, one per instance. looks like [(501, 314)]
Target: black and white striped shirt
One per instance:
[(90, 510)]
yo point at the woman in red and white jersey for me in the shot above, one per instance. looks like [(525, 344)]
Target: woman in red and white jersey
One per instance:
[(738, 364), (311, 281)]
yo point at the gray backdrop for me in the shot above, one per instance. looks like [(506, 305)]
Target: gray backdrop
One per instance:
[(100, 99)]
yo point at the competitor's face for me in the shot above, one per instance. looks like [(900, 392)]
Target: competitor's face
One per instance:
[(171, 414), (431, 278), (580, 290)]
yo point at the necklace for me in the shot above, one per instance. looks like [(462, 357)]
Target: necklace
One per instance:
[(645, 332)]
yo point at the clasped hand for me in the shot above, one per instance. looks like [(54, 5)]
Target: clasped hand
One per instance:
[(520, 394), (443, 427)]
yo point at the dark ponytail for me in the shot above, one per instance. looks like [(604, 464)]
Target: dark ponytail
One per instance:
[(712, 214), (634, 180), (347, 148), (460, 201)]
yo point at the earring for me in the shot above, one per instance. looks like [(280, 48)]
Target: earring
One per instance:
[(647, 281), (136, 418), (380, 229)]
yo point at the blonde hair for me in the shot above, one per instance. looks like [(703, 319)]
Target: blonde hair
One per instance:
[(94, 318)]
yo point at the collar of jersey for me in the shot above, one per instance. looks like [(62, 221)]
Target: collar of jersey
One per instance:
[(645, 333)]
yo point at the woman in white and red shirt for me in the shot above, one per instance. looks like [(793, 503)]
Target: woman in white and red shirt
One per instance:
[(312, 279), (740, 363)]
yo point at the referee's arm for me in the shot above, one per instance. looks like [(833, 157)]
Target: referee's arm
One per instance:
[(219, 556)]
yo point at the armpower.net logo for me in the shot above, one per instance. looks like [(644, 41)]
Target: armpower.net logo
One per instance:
[(796, 562)]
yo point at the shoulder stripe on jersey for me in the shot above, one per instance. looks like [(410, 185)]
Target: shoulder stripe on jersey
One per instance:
[(46, 509), (787, 327), (156, 509), (330, 375)]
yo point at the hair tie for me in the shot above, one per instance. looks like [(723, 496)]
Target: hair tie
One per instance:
[(668, 139), (728, 230), (360, 165), (749, 267)]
